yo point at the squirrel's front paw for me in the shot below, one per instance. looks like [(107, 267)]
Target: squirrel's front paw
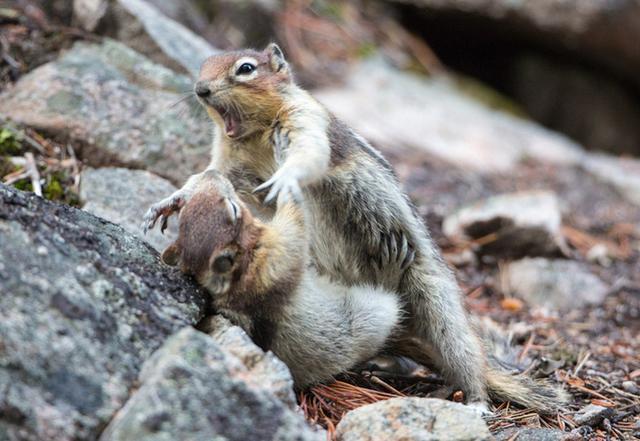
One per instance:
[(163, 210), (283, 184)]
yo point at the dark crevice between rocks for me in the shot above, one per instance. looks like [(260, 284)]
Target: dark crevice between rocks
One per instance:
[(11, 414), (562, 88), (203, 325)]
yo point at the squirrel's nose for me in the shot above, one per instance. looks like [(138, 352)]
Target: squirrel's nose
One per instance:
[(202, 89)]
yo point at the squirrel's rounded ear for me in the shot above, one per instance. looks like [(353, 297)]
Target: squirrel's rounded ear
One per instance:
[(233, 210), (276, 58), (171, 255)]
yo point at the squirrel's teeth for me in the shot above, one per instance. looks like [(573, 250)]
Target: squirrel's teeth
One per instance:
[(230, 126)]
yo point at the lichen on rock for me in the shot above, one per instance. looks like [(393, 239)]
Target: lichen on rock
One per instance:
[(118, 106), (83, 304)]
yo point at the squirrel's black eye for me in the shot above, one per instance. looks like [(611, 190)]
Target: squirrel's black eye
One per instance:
[(222, 264), (245, 69)]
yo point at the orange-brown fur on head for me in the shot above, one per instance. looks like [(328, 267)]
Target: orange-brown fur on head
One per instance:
[(253, 100), (216, 237)]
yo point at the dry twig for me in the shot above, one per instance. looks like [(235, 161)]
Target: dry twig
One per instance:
[(32, 169)]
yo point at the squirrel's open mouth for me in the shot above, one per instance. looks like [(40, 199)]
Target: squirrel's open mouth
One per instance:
[(229, 115), (231, 120)]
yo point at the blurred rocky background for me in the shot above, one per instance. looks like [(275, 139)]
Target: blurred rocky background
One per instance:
[(514, 126)]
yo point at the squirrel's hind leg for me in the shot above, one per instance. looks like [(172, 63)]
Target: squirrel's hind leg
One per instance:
[(443, 336)]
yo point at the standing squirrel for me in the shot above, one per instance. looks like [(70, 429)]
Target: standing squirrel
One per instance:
[(273, 136), (258, 274)]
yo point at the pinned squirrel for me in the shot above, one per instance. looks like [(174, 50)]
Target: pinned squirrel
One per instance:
[(274, 137), (258, 274)]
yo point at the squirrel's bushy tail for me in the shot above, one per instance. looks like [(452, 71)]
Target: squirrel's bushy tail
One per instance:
[(539, 395), (500, 381)]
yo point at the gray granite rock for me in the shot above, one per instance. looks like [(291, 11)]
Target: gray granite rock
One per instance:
[(140, 25), (413, 419), (192, 389), (524, 224), (395, 108), (553, 283), (116, 105), (88, 13), (536, 435), (265, 368), (621, 173), (83, 304), (192, 14), (122, 196), (143, 27)]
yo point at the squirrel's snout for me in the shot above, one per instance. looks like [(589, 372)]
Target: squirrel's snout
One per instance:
[(202, 89)]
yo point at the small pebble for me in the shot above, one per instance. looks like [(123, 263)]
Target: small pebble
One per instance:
[(592, 415), (599, 254), (631, 387)]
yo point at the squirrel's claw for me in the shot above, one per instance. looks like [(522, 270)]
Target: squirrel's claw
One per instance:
[(281, 186), (395, 251), (149, 219), (394, 255), (266, 184), (163, 224), (408, 260), (162, 210), (407, 253)]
